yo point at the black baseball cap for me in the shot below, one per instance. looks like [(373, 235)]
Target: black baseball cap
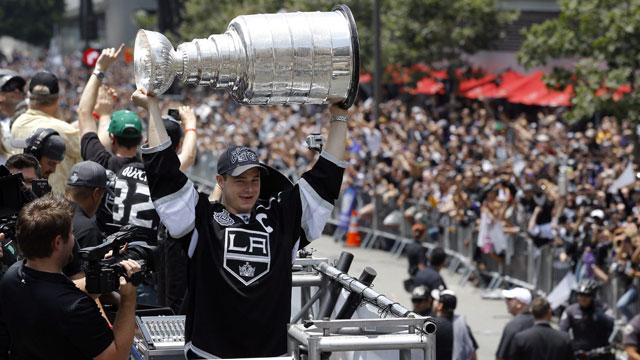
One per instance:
[(10, 80), (52, 146), (421, 292), (88, 174), (238, 159), (43, 86)]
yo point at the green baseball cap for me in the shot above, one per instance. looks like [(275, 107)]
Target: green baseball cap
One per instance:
[(125, 123)]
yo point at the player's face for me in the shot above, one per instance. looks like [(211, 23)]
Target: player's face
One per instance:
[(240, 193)]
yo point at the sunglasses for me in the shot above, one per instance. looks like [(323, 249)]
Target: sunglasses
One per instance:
[(12, 86)]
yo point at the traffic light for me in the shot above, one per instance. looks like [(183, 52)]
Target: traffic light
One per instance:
[(169, 15), (88, 21)]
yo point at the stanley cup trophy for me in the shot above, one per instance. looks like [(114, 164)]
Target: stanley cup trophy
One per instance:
[(284, 58)]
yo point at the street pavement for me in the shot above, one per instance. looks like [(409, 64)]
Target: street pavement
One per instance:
[(485, 317)]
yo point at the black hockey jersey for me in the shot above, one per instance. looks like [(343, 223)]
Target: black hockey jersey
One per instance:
[(239, 291), (132, 199)]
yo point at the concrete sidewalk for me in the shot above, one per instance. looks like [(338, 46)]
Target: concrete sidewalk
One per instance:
[(485, 317)]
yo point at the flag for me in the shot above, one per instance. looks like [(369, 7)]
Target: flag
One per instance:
[(627, 178), (560, 294)]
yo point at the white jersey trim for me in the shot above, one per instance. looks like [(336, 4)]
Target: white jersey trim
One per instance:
[(144, 149), (177, 211), (203, 354), (294, 251), (340, 163), (193, 243), (315, 211)]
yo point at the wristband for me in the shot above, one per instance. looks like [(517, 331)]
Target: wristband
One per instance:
[(99, 74), (342, 118), (189, 129)]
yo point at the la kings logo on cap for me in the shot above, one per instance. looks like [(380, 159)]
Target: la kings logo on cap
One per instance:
[(74, 177), (242, 154), (247, 255)]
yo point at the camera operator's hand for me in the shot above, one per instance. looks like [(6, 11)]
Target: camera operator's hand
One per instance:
[(187, 116), (107, 57), (128, 290)]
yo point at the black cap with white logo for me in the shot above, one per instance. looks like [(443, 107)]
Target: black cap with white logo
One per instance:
[(88, 174), (238, 159)]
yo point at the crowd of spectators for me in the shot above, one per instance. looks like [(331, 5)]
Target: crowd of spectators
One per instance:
[(478, 163), (568, 188)]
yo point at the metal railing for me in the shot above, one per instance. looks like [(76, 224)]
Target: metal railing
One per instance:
[(381, 324), (523, 264)]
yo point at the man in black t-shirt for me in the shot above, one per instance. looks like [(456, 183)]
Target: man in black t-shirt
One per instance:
[(42, 313), (541, 341), (518, 300), (125, 127), (240, 251), (430, 275), (454, 340), (125, 130), (85, 188)]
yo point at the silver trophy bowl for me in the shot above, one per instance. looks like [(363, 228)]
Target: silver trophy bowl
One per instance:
[(284, 58)]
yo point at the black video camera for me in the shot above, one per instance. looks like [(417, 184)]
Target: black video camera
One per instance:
[(103, 275), (9, 250), (13, 196)]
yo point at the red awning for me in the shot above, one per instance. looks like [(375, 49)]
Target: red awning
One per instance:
[(617, 95), (427, 86), (365, 78), (530, 91), (623, 89), (509, 81), (557, 98), (481, 92), (466, 85)]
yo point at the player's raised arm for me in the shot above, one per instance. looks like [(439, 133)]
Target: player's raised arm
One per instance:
[(173, 195)]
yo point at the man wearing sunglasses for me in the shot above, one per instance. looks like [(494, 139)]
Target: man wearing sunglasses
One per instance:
[(44, 95)]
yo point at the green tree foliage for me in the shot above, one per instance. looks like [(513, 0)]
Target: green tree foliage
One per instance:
[(412, 30), (433, 30), (603, 36), (31, 21)]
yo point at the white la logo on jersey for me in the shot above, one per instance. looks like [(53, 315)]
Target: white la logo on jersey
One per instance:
[(223, 218), (247, 254)]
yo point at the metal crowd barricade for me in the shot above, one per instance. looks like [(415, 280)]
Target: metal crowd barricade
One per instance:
[(380, 322)]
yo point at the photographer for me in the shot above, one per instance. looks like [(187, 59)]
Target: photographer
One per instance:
[(86, 187), (47, 146), (42, 312), (26, 165)]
